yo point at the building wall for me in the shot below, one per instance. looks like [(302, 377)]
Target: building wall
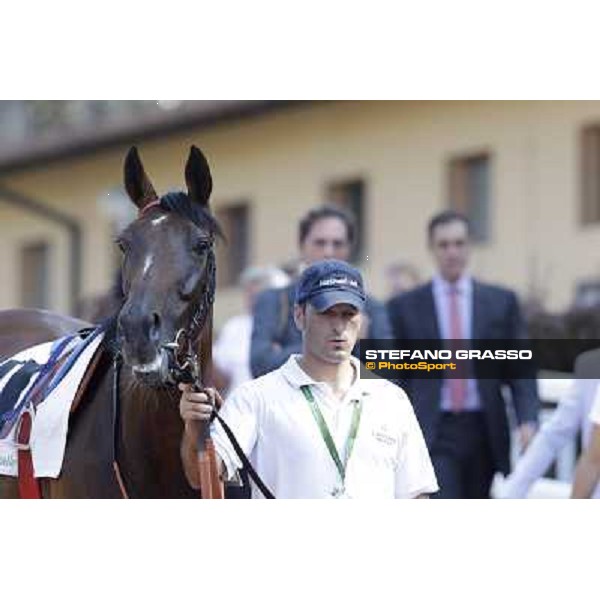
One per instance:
[(282, 162)]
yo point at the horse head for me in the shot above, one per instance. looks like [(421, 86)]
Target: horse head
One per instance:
[(168, 269)]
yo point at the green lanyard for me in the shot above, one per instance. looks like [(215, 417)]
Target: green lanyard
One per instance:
[(318, 415)]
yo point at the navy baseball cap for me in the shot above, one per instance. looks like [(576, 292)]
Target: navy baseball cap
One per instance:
[(329, 282)]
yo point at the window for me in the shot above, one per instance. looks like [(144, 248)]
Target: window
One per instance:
[(233, 254), (35, 278), (350, 196), (590, 174), (470, 191)]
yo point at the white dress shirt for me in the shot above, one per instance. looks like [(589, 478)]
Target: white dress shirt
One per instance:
[(571, 416), (275, 427), (441, 295)]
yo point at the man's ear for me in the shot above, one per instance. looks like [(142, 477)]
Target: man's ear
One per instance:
[(299, 316)]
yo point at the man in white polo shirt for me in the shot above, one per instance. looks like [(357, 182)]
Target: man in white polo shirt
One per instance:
[(313, 428)]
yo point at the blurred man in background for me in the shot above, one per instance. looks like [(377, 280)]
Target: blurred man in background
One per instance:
[(464, 420), (231, 352), (570, 417), (325, 232)]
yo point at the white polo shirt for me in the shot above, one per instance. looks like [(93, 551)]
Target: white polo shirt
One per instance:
[(275, 427)]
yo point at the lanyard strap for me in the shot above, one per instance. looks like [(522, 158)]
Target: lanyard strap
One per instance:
[(325, 433)]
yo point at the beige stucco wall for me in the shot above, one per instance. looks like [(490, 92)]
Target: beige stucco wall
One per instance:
[(282, 162)]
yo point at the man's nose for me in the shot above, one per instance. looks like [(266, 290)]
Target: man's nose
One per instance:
[(337, 324), (328, 251)]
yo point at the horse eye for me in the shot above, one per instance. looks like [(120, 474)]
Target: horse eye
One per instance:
[(122, 245), (200, 248)]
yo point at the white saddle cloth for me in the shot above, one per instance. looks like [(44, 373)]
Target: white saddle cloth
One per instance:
[(50, 418)]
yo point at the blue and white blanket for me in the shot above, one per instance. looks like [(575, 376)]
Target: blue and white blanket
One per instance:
[(43, 380)]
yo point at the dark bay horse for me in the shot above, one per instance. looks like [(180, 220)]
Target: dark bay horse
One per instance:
[(168, 275)]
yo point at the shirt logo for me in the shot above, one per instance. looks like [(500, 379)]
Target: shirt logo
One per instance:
[(383, 436)]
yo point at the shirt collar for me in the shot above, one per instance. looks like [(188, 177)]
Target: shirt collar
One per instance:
[(464, 284), (297, 377)]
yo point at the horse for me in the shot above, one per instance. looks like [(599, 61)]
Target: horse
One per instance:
[(168, 281)]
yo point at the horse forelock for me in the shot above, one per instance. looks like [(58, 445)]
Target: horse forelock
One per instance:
[(180, 203)]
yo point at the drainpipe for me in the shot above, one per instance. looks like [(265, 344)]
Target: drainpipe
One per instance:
[(72, 227)]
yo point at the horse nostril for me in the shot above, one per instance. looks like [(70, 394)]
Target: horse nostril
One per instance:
[(155, 327)]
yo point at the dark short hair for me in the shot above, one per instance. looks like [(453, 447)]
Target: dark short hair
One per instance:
[(327, 212), (445, 217)]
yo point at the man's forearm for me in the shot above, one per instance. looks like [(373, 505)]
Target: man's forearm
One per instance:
[(189, 457)]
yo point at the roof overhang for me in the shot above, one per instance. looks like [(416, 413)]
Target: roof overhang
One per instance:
[(87, 140)]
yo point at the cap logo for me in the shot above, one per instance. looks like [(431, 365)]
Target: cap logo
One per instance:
[(338, 281)]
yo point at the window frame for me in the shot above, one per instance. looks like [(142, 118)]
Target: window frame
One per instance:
[(458, 193)]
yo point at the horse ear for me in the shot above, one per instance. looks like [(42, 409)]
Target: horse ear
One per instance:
[(198, 177), (137, 184)]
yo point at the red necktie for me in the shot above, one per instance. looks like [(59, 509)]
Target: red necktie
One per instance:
[(458, 387)]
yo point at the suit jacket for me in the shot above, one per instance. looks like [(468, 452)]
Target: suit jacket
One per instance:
[(495, 315), (275, 336)]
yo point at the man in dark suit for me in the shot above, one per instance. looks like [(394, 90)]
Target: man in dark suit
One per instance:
[(464, 421)]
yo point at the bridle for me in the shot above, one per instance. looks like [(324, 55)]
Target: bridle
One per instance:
[(179, 359)]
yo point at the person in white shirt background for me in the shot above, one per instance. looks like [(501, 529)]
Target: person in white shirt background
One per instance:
[(313, 428), (231, 351), (571, 417), (587, 473)]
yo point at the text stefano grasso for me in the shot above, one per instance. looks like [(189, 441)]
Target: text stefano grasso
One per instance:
[(497, 354)]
